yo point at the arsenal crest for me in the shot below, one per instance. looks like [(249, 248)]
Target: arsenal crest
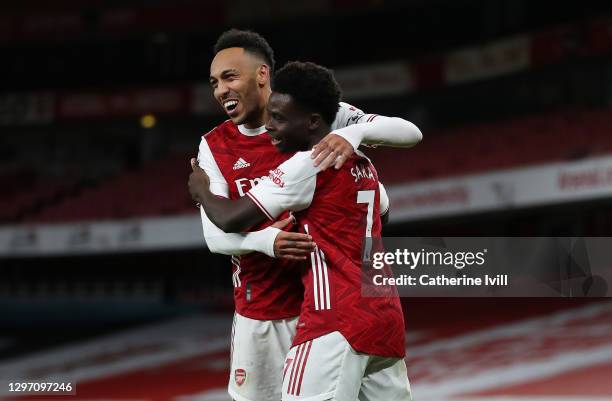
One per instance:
[(240, 376)]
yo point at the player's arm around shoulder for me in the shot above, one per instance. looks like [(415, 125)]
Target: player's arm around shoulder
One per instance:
[(352, 127), (358, 128)]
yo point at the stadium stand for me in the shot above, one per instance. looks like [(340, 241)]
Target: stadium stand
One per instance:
[(159, 187), (493, 146), (24, 192)]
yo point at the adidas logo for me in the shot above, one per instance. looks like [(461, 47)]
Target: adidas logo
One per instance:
[(241, 163)]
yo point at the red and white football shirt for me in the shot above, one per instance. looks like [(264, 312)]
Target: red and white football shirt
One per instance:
[(236, 159), (338, 208)]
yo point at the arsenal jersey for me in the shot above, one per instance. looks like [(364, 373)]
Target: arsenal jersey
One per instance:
[(339, 208)]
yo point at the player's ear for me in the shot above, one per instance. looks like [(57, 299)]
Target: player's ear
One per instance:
[(314, 121), (263, 75)]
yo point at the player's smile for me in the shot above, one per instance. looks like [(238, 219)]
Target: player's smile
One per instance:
[(275, 140), (231, 106)]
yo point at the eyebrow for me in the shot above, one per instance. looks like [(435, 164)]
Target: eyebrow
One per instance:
[(224, 73)]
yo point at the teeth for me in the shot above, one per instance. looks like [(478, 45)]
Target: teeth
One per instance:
[(230, 103)]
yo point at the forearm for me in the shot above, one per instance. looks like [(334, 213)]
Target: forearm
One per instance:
[(383, 131), (230, 215), (218, 241)]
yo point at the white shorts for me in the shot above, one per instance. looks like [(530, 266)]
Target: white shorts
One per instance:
[(328, 368), (259, 348)]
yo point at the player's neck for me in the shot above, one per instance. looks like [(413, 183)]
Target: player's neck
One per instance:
[(261, 116), (257, 121)]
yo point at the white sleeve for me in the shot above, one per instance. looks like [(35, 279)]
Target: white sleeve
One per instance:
[(357, 127), (290, 186), (217, 240), (348, 115), (384, 199), (206, 160)]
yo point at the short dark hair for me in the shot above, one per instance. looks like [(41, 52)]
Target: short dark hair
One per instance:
[(251, 42), (311, 85)]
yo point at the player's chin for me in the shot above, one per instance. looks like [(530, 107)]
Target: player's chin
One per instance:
[(284, 147), (237, 119)]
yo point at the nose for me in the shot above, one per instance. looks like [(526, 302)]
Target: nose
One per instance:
[(270, 125)]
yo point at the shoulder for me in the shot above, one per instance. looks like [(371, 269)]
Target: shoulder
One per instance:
[(297, 168), (359, 154), (362, 160), (220, 131), (347, 107), (347, 115), (217, 138), (356, 160), (300, 160)]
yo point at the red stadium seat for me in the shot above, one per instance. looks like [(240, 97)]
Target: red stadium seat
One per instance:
[(159, 188)]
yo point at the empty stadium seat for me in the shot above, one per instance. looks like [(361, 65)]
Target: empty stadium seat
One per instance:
[(159, 188)]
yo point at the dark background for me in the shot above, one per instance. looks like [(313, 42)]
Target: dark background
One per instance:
[(68, 157)]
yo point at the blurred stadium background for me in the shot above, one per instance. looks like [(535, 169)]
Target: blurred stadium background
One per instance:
[(104, 276)]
